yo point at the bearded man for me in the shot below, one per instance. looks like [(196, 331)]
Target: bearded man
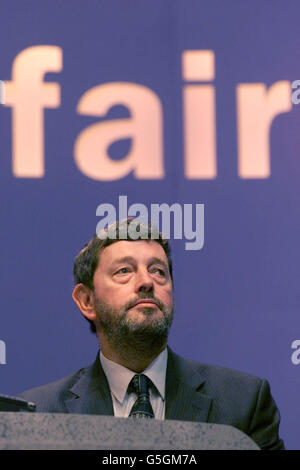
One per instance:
[(124, 288)]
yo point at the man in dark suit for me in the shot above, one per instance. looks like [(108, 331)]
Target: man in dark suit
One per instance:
[(124, 288)]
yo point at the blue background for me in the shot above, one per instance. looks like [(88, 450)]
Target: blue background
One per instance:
[(236, 300)]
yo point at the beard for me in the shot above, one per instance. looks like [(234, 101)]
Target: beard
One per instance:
[(129, 336)]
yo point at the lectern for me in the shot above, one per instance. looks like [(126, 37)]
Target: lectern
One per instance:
[(47, 431)]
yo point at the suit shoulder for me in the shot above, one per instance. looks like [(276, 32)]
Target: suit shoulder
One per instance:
[(49, 397), (218, 375), (226, 373)]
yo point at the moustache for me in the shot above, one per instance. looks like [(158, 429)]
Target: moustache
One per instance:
[(145, 296)]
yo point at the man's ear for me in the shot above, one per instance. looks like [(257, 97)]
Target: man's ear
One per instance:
[(84, 299)]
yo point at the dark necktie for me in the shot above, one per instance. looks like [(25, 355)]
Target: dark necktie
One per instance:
[(142, 407)]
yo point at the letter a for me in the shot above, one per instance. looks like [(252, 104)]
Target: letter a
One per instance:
[(144, 126)]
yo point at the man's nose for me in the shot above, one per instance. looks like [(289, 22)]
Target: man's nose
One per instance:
[(144, 281)]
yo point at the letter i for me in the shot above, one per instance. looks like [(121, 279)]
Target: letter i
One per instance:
[(199, 114)]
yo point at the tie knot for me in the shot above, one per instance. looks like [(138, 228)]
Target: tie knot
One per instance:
[(140, 384)]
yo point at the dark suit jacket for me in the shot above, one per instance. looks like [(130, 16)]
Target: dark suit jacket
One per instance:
[(194, 392)]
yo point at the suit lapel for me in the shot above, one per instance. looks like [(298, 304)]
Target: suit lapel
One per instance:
[(90, 393), (184, 400)]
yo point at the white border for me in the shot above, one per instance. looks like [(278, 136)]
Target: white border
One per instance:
[(2, 92)]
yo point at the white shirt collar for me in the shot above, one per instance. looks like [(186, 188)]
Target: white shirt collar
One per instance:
[(119, 376)]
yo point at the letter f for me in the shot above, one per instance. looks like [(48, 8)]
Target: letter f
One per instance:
[(27, 94)]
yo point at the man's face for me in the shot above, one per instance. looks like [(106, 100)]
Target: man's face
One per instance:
[(133, 291)]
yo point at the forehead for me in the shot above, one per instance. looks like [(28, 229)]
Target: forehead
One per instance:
[(140, 250)]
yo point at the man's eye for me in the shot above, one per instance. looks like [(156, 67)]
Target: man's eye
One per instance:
[(161, 272), (122, 271)]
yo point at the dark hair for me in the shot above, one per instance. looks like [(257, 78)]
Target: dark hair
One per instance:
[(86, 262)]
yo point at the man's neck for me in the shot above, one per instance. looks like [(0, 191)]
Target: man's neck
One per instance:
[(132, 360)]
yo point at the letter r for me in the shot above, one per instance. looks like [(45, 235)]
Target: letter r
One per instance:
[(27, 94)]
